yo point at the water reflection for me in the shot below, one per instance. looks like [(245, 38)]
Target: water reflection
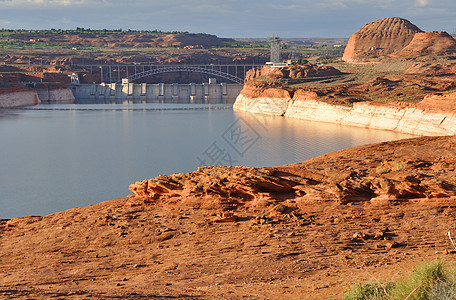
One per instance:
[(55, 159), (287, 140)]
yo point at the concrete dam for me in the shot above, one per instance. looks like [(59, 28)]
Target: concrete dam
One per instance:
[(131, 93)]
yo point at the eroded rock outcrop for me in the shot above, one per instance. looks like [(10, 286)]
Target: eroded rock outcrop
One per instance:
[(419, 100), (393, 171), (401, 117), (271, 101), (216, 187), (13, 95), (292, 72), (429, 43), (432, 116), (397, 37)]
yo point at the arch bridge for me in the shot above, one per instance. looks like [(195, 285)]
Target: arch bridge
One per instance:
[(115, 73)]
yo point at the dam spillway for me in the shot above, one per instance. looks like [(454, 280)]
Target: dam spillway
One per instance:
[(131, 93)]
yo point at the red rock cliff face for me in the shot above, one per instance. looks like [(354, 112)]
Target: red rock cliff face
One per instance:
[(13, 95), (396, 37), (429, 43), (257, 89), (292, 72), (444, 102), (385, 35)]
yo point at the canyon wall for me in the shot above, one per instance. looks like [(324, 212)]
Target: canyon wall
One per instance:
[(20, 98), (16, 95), (419, 119), (271, 101)]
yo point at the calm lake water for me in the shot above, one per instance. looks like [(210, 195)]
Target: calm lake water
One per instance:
[(55, 157)]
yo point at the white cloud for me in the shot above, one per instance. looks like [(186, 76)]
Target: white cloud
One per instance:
[(297, 18), (422, 3), (43, 3)]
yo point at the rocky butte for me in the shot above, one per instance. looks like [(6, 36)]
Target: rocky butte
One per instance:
[(304, 230), (396, 37)]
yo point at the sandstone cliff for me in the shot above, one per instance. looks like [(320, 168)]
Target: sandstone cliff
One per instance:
[(17, 95), (415, 97), (397, 37), (433, 116), (429, 43), (14, 95), (292, 72), (271, 101)]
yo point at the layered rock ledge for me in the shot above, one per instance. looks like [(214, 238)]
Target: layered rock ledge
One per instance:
[(432, 116), (16, 95), (245, 232), (393, 171)]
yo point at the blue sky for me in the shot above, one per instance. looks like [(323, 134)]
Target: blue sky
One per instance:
[(227, 18)]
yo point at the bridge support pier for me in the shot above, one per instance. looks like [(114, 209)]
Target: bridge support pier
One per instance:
[(156, 93)]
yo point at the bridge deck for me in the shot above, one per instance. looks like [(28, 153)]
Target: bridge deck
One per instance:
[(116, 72)]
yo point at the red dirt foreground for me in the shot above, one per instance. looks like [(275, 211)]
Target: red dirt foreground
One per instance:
[(302, 231)]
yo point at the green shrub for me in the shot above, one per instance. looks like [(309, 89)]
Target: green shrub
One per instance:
[(434, 280), (420, 282), (302, 61), (369, 290)]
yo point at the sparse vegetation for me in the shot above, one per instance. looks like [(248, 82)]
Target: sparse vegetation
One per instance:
[(434, 280), (301, 61), (82, 30)]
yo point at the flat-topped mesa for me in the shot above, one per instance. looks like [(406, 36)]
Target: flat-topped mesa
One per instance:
[(92, 39), (397, 37)]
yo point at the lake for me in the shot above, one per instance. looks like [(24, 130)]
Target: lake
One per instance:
[(56, 157)]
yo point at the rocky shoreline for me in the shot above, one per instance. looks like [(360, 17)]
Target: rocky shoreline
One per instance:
[(420, 168), (417, 119), (394, 77), (310, 230), (21, 98), (16, 95)]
